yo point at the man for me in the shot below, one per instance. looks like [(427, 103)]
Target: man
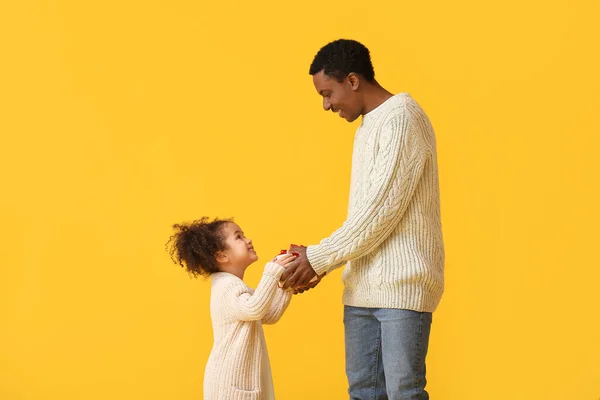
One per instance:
[(391, 241)]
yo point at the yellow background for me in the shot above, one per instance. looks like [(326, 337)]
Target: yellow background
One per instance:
[(121, 118)]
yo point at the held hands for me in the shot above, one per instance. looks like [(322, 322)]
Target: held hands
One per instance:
[(299, 275), (314, 282)]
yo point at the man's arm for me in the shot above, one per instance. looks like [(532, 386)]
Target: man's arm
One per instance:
[(400, 161)]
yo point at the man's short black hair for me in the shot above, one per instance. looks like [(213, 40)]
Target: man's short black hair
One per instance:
[(341, 57)]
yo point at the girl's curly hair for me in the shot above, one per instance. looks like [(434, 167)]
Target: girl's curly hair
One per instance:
[(194, 245)]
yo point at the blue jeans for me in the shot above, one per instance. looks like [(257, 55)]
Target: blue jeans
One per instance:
[(385, 353)]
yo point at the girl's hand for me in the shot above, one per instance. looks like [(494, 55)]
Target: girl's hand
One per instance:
[(284, 259)]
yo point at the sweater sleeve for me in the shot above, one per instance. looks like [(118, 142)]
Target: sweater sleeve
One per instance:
[(242, 305), (278, 306), (398, 165)]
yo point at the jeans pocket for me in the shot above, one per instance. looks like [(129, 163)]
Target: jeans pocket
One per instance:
[(241, 394)]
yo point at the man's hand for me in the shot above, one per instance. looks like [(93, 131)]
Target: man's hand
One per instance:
[(299, 272), (309, 286)]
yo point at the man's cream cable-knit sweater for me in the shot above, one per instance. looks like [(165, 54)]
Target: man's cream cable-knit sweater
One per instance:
[(392, 237), (238, 366)]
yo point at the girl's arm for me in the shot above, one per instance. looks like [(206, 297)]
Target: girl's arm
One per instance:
[(244, 306), (278, 306)]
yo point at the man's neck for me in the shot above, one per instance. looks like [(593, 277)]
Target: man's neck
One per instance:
[(375, 95)]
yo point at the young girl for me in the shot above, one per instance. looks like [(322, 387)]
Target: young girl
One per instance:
[(238, 366)]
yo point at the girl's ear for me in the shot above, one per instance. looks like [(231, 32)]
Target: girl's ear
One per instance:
[(221, 257)]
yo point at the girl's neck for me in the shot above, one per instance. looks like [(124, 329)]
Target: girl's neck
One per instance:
[(230, 269)]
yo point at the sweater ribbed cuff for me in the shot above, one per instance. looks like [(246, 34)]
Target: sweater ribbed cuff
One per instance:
[(273, 269), (317, 259)]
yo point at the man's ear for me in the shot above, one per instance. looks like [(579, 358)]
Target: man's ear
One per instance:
[(354, 81)]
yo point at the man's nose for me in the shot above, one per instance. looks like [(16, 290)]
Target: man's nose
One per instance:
[(326, 105)]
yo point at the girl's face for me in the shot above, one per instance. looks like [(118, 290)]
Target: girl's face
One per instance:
[(238, 248)]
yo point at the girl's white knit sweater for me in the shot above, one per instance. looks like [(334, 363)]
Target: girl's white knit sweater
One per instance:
[(238, 366)]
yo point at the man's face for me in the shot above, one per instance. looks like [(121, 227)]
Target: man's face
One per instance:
[(340, 97)]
